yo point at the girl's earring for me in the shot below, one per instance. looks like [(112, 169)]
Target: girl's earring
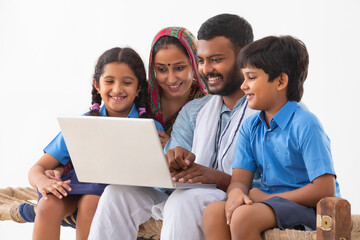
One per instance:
[(98, 93)]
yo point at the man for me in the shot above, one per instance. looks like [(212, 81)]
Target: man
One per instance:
[(205, 129)]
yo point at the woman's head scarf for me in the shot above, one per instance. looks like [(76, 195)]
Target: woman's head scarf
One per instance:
[(190, 43)]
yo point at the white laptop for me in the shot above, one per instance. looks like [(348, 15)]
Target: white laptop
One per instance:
[(125, 151)]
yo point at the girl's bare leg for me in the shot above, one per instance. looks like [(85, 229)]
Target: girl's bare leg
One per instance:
[(86, 210), (249, 221), (214, 222), (49, 214)]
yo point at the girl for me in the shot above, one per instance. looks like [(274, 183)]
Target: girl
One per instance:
[(173, 81), (173, 76), (120, 82)]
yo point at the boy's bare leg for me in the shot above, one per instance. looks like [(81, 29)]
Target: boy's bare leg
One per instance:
[(214, 222), (86, 211), (249, 221), (49, 214)]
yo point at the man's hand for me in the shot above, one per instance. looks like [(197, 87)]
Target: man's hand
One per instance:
[(179, 158), (196, 173), (236, 198), (163, 138)]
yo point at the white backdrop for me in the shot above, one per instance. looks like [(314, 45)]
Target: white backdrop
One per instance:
[(48, 51)]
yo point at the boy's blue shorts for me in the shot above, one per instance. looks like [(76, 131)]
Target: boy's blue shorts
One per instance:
[(292, 215)]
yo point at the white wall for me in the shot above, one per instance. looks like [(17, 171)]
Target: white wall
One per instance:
[(48, 50)]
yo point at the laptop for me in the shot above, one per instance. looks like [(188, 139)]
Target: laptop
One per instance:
[(124, 151)]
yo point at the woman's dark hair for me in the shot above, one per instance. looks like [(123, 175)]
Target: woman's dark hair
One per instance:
[(133, 60), (233, 27), (168, 40), (276, 55)]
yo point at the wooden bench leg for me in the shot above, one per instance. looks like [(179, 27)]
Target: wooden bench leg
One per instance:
[(333, 219)]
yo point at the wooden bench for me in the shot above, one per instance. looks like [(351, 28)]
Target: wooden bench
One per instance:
[(334, 219)]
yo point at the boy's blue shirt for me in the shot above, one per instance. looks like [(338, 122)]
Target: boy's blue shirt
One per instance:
[(57, 147), (290, 154)]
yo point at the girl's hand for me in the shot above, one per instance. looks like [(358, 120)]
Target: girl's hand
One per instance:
[(236, 198), (163, 138), (53, 174), (55, 187)]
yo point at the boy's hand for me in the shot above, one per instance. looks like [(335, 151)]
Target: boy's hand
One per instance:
[(53, 174), (179, 158), (256, 195), (163, 138), (236, 198), (55, 187)]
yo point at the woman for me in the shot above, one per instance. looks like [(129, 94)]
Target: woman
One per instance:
[(173, 76)]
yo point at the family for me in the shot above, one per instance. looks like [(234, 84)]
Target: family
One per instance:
[(227, 112)]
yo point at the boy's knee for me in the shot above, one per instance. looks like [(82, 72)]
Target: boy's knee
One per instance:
[(215, 209), (241, 219), (213, 213)]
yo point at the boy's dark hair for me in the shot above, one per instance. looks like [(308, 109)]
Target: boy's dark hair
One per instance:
[(168, 40), (133, 60), (233, 27), (276, 55)]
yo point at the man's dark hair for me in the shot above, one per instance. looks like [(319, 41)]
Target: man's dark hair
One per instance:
[(276, 55), (233, 27)]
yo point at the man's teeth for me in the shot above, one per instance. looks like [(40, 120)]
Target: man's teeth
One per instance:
[(213, 78)]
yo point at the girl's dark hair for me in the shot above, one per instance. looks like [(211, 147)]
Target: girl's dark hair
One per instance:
[(133, 60), (168, 40), (276, 55)]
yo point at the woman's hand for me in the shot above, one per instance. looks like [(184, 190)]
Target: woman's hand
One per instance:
[(163, 138)]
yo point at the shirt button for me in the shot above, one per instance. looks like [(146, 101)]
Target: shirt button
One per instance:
[(268, 166), (267, 138)]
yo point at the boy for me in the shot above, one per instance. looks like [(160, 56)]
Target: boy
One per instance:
[(284, 142)]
